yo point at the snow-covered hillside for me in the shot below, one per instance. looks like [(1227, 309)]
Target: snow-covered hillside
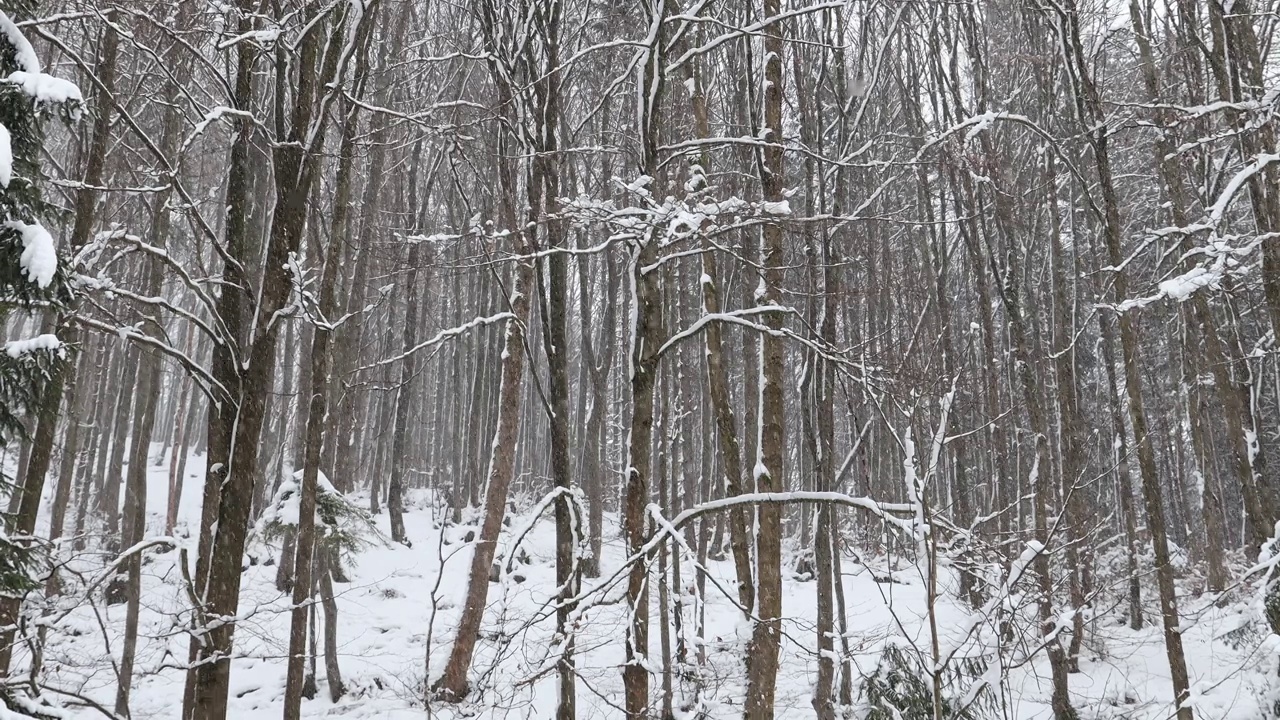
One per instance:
[(399, 610)]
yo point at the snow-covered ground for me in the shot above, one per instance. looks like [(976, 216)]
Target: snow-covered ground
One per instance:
[(399, 611)]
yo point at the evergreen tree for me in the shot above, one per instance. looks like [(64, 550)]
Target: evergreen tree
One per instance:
[(31, 278)]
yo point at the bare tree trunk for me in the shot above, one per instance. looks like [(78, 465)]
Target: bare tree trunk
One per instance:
[(178, 456), (1041, 470), (404, 389), (1123, 477), (453, 683), (93, 470), (596, 368), (1200, 325), (147, 395), (645, 334), (306, 566), (1073, 434), (662, 476), (218, 578), (556, 347), (1089, 108), (332, 670), (726, 424), (70, 450), (823, 448), (766, 636), (107, 505), (231, 308)]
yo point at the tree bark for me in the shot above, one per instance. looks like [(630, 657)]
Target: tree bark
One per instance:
[(766, 636), (453, 684), (304, 541), (1089, 108), (218, 578)]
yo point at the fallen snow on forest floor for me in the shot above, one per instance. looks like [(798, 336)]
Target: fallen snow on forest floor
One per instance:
[(398, 613)]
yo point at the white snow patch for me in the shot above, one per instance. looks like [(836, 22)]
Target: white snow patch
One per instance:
[(39, 258), (6, 157), (45, 88), (781, 207), (18, 348), (403, 606), (24, 54), (1181, 287)]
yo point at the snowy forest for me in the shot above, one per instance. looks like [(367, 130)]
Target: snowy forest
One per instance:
[(640, 359)]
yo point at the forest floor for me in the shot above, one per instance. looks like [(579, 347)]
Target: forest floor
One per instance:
[(398, 613)]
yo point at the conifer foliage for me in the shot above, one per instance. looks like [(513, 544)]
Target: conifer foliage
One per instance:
[(31, 277)]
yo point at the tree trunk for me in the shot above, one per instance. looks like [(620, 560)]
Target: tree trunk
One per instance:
[(178, 457), (147, 395), (404, 396), (332, 670), (70, 449), (218, 578), (766, 636), (453, 684), (556, 345), (304, 540), (1089, 108)]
